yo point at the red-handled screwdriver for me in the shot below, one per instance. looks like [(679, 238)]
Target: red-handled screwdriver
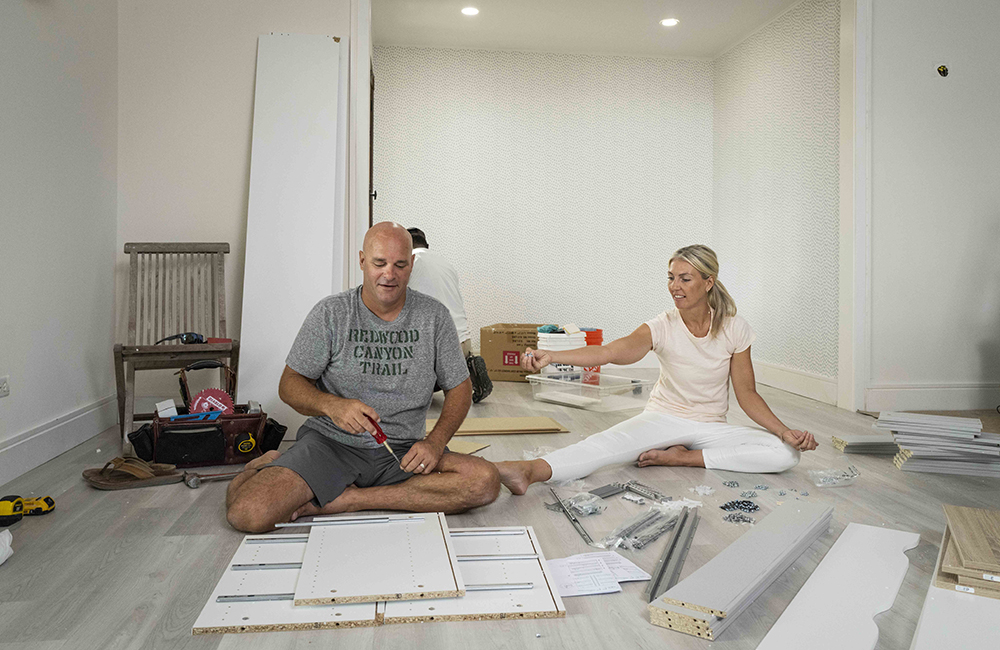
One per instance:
[(380, 438)]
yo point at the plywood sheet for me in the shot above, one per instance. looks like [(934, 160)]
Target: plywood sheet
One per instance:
[(976, 532), (495, 426), (466, 446), (271, 615), (372, 559), (858, 579), (496, 563)]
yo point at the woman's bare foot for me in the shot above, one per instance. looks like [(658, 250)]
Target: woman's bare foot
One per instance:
[(337, 506), (517, 475), (676, 456)]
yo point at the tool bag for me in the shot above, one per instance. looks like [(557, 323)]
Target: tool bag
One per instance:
[(208, 438)]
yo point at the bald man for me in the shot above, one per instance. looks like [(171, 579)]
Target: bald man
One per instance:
[(376, 352)]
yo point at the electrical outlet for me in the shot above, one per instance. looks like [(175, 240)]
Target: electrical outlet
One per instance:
[(5, 386)]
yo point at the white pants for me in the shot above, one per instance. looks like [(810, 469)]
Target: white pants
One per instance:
[(723, 445)]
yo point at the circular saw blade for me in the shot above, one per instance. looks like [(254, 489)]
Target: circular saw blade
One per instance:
[(213, 399)]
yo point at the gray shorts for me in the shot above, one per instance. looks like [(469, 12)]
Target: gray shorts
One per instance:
[(328, 466)]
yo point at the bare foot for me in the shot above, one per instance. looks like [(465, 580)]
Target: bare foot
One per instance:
[(676, 456), (517, 475), (264, 459), (337, 506)]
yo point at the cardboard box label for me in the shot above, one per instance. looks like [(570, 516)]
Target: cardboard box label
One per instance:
[(512, 358)]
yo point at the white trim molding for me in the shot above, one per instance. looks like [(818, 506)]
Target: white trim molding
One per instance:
[(862, 308), (28, 450), (806, 384), (933, 397)]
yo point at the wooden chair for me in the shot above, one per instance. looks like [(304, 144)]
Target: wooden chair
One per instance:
[(173, 288)]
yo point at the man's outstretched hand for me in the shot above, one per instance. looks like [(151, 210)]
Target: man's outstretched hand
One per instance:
[(422, 458)]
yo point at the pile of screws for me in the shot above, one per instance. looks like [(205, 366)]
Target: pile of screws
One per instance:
[(804, 493), (782, 493), (762, 487), (749, 494), (731, 484), (739, 518), (745, 506)]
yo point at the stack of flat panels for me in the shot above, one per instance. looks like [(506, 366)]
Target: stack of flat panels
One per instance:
[(969, 560), (880, 443), (942, 444), (511, 425), (301, 582), (705, 603)]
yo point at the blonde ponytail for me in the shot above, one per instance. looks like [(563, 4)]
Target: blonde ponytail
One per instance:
[(704, 260)]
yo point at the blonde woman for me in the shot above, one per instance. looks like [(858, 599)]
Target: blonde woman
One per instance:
[(701, 345)]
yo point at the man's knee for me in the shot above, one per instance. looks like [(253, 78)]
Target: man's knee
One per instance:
[(483, 482), (248, 517)]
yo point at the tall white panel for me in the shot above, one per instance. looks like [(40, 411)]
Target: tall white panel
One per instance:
[(295, 217)]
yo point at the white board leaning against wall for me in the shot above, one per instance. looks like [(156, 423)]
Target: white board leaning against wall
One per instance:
[(296, 210)]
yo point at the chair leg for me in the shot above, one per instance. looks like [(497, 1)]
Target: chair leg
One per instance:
[(129, 410), (120, 383), (234, 364)]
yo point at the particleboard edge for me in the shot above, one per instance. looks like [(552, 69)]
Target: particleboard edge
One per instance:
[(282, 627), (424, 595), (693, 607), (474, 617), (681, 623)]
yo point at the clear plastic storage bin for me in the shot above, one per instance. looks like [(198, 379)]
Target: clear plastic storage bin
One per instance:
[(595, 391)]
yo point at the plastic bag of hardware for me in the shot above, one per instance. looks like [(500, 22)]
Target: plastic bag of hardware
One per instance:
[(834, 477), (641, 530), (586, 504)]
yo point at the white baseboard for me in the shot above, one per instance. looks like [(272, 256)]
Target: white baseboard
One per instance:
[(932, 397), (28, 450), (806, 384)]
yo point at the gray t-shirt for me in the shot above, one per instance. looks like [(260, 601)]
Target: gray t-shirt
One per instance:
[(390, 366)]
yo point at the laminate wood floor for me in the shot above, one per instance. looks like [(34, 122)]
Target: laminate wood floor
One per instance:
[(133, 568)]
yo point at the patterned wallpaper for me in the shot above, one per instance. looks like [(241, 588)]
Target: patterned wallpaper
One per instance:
[(775, 192), (557, 184), (560, 184)]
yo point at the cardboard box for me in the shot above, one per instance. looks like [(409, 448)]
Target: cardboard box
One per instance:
[(502, 345)]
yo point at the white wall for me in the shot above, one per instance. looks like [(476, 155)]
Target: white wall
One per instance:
[(58, 111), (935, 280), (557, 184), (776, 191), (186, 88)]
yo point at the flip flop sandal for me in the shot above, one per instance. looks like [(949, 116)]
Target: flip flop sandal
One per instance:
[(124, 473)]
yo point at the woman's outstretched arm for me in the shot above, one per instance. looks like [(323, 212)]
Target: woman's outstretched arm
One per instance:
[(623, 351), (745, 387)]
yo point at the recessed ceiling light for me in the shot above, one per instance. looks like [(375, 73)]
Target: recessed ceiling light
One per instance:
[(669, 22), (470, 11)]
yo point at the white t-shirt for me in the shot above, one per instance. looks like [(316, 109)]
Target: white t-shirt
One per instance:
[(434, 275), (694, 372)]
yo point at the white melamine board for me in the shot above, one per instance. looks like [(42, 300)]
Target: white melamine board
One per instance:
[(399, 559), (725, 580), (921, 419), (858, 579), (266, 616), (540, 601), (295, 218), (503, 543), (951, 619)]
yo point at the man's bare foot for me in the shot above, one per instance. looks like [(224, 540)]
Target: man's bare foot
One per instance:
[(337, 506), (264, 459), (676, 456), (517, 475)]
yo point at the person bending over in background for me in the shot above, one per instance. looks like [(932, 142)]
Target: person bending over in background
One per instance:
[(434, 275), (375, 351), (700, 345)]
